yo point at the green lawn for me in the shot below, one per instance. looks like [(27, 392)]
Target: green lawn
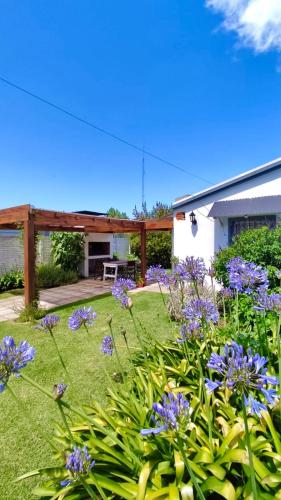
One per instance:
[(21, 447), (11, 293)]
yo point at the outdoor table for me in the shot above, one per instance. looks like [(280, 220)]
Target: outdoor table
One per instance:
[(115, 264)]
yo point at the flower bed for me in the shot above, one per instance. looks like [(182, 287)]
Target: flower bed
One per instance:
[(196, 417)]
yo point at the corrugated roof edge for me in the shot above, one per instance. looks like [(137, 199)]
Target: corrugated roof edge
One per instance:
[(250, 174)]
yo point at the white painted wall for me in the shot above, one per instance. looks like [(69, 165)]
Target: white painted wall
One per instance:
[(102, 237), (11, 251), (209, 235)]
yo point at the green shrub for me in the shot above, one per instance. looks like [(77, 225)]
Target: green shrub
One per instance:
[(50, 275), (68, 250), (11, 280), (262, 246), (158, 248), (31, 313), (159, 243)]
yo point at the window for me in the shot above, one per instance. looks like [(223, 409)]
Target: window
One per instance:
[(98, 248), (239, 224)]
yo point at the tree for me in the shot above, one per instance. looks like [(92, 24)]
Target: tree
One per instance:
[(159, 243), (116, 214), (68, 250)]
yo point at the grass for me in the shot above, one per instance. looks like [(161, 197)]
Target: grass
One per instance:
[(22, 448), (11, 293)]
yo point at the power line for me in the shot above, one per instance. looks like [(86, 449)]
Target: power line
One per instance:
[(101, 130)]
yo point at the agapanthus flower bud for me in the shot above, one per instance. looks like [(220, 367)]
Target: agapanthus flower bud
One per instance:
[(59, 390), (171, 414), (78, 464)]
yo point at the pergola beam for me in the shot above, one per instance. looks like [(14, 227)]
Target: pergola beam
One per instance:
[(34, 220)]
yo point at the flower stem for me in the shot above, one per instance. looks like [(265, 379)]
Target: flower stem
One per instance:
[(93, 422), (65, 420), (136, 329), (278, 341), (237, 311), (190, 471), (224, 311), (88, 488), (248, 443), (116, 352), (60, 357)]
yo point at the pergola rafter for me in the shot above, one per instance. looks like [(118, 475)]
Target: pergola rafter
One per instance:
[(33, 220)]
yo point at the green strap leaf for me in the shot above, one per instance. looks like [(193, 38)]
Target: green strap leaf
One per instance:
[(225, 488)]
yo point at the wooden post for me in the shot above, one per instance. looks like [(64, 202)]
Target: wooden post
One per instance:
[(29, 260), (143, 253)]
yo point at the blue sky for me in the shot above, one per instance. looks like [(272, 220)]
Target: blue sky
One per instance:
[(188, 81)]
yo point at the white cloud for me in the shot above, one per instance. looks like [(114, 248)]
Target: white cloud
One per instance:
[(257, 22)]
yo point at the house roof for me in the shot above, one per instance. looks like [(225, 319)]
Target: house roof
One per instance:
[(89, 212), (239, 179), (247, 206)]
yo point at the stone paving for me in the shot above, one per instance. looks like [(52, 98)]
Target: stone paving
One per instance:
[(54, 297)]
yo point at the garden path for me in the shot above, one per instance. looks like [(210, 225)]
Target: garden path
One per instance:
[(54, 297), (59, 296)]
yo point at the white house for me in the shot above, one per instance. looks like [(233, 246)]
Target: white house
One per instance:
[(207, 221)]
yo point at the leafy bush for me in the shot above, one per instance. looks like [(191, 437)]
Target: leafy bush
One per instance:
[(68, 250), (11, 280), (159, 243), (262, 246), (31, 313), (158, 250), (50, 275)]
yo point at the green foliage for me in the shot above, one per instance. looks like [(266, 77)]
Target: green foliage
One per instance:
[(68, 250), (11, 280), (159, 248), (50, 275), (116, 214), (129, 466), (262, 246), (211, 446), (159, 243), (30, 313)]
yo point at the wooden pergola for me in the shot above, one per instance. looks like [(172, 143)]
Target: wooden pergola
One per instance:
[(33, 220)]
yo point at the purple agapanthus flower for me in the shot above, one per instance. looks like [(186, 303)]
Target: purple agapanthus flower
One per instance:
[(13, 358), (242, 373), (107, 345), (82, 317), (226, 293), (157, 273), (190, 331), (120, 291), (199, 311), (195, 269), (171, 414), (78, 464), (266, 302), (48, 323), (59, 390), (246, 277), (178, 275)]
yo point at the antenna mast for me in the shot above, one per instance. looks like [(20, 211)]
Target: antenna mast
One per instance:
[(142, 180)]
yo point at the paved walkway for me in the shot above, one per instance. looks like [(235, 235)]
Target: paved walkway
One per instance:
[(54, 297)]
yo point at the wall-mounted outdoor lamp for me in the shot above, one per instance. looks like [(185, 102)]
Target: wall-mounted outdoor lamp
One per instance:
[(192, 218)]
